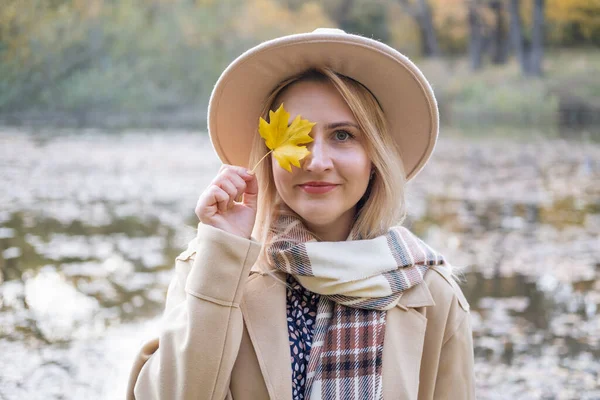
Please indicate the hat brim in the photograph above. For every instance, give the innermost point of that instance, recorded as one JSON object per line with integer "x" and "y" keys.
{"x": 401, "y": 89}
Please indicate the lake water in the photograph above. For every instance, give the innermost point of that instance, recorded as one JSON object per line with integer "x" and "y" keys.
{"x": 91, "y": 221}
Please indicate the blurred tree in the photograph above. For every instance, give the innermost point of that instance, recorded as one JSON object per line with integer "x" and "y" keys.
{"x": 476, "y": 35}
{"x": 342, "y": 13}
{"x": 42, "y": 45}
{"x": 364, "y": 17}
{"x": 93, "y": 55}
{"x": 499, "y": 36}
{"x": 450, "y": 19}
{"x": 530, "y": 52}
{"x": 577, "y": 20}
{"x": 163, "y": 55}
{"x": 259, "y": 20}
{"x": 536, "y": 54}
{"x": 420, "y": 10}
{"x": 404, "y": 30}
{"x": 516, "y": 31}
{"x": 487, "y": 32}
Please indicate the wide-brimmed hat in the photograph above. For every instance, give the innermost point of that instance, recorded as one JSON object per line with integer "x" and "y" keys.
{"x": 401, "y": 89}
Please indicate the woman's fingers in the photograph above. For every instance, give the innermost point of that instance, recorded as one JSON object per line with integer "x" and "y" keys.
{"x": 231, "y": 183}
{"x": 233, "y": 169}
{"x": 251, "y": 192}
{"x": 213, "y": 200}
{"x": 220, "y": 198}
{"x": 232, "y": 180}
{"x": 239, "y": 183}
{"x": 231, "y": 190}
{"x": 216, "y": 205}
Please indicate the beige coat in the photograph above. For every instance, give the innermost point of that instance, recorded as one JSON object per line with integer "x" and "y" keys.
{"x": 225, "y": 335}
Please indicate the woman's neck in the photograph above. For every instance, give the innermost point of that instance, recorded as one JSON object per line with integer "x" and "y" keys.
{"x": 336, "y": 231}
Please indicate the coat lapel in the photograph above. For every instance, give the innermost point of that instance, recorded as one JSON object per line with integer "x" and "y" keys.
{"x": 264, "y": 311}
{"x": 403, "y": 344}
{"x": 417, "y": 296}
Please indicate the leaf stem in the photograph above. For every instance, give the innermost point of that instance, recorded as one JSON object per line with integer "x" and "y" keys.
{"x": 265, "y": 156}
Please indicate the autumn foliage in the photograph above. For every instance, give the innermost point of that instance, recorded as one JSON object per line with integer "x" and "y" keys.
{"x": 161, "y": 55}
{"x": 285, "y": 141}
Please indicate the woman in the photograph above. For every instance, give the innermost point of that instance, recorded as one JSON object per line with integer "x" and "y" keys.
{"x": 306, "y": 288}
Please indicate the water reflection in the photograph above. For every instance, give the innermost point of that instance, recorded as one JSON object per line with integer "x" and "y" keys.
{"x": 87, "y": 239}
{"x": 544, "y": 316}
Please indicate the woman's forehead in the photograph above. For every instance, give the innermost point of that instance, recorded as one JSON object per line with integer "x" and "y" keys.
{"x": 318, "y": 102}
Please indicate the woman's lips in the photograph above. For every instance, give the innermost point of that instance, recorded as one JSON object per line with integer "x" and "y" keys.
{"x": 317, "y": 187}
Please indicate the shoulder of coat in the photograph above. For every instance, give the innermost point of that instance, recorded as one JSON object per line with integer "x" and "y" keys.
{"x": 449, "y": 282}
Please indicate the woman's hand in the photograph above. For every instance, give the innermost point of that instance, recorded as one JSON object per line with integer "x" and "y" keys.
{"x": 217, "y": 206}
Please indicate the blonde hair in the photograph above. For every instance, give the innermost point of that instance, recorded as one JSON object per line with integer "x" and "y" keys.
{"x": 383, "y": 204}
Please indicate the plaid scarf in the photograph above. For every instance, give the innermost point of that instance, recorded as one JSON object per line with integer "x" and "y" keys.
{"x": 358, "y": 280}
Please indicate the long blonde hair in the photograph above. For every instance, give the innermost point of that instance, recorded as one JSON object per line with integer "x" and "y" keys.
{"x": 383, "y": 204}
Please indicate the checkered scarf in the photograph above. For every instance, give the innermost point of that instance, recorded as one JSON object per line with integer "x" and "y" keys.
{"x": 358, "y": 280}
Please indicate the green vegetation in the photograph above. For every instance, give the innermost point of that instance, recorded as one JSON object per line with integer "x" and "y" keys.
{"x": 144, "y": 61}
{"x": 500, "y": 93}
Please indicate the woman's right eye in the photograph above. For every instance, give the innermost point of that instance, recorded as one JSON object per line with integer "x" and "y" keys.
{"x": 342, "y": 136}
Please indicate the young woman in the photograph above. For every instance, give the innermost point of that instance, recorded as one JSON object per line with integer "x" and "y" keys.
{"x": 301, "y": 284}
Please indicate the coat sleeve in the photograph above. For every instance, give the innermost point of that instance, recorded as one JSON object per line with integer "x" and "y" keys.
{"x": 201, "y": 329}
{"x": 455, "y": 377}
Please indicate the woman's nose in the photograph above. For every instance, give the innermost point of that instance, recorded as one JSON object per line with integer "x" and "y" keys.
{"x": 319, "y": 158}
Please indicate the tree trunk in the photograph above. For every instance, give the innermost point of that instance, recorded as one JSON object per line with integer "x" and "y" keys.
{"x": 342, "y": 16}
{"x": 421, "y": 12}
{"x": 516, "y": 33}
{"x": 537, "y": 39}
{"x": 425, "y": 20}
{"x": 499, "y": 39}
{"x": 475, "y": 36}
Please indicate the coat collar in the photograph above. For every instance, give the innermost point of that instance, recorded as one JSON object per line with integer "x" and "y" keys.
{"x": 264, "y": 311}
{"x": 417, "y": 296}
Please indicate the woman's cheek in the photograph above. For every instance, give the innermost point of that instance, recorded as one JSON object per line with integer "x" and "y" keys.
{"x": 357, "y": 164}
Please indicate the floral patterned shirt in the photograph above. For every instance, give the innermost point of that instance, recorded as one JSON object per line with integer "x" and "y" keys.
{"x": 301, "y": 314}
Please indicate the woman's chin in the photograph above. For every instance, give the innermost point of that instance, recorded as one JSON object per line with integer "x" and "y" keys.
{"x": 318, "y": 217}
{"x": 322, "y": 214}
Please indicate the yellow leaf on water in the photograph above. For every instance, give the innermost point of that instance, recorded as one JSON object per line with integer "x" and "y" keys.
{"x": 285, "y": 140}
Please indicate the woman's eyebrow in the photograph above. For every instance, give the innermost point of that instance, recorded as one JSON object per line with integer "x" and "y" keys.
{"x": 334, "y": 125}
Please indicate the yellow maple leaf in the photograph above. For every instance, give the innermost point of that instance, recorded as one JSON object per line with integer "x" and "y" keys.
{"x": 283, "y": 140}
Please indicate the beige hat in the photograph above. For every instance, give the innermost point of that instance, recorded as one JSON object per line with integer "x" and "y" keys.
{"x": 401, "y": 89}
